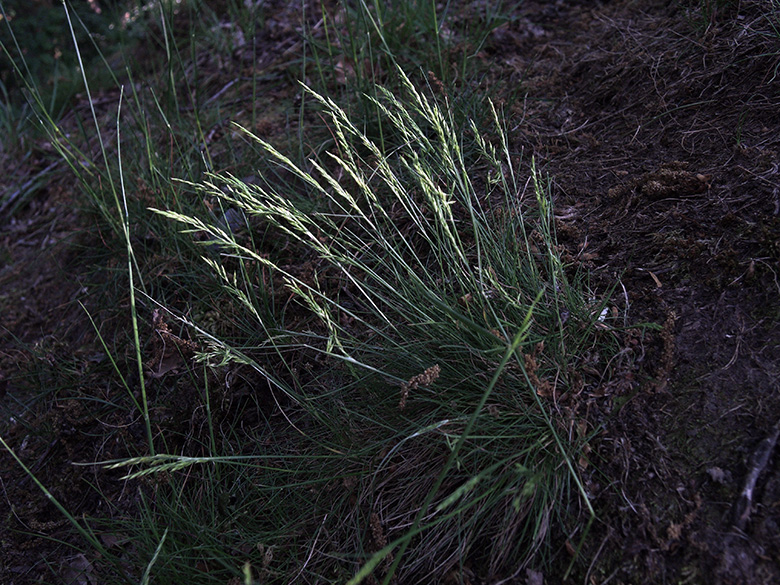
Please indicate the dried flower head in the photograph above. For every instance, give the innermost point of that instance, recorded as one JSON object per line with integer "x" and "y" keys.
{"x": 427, "y": 378}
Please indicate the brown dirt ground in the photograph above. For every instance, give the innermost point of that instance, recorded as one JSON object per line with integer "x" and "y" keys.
{"x": 661, "y": 132}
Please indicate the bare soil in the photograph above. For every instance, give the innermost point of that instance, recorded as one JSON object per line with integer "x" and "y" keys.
{"x": 660, "y": 128}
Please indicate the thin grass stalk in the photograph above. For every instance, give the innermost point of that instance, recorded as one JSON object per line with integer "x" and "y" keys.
{"x": 114, "y": 364}
{"x": 209, "y": 418}
{"x": 131, "y": 274}
{"x": 148, "y": 571}
{"x": 91, "y": 104}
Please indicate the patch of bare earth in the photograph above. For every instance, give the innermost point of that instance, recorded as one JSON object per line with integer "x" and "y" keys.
{"x": 43, "y": 335}
{"x": 662, "y": 134}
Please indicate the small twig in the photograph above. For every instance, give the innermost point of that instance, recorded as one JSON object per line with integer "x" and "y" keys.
{"x": 758, "y": 462}
{"x": 311, "y": 549}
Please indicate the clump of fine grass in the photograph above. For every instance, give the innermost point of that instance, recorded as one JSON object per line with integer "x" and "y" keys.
{"x": 446, "y": 325}
{"x": 399, "y": 416}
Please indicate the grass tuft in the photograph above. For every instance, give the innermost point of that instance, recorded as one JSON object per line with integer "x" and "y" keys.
{"x": 386, "y": 330}
{"x": 447, "y": 327}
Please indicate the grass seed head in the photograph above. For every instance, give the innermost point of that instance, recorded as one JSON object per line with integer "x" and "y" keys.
{"x": 427, "y": 378}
